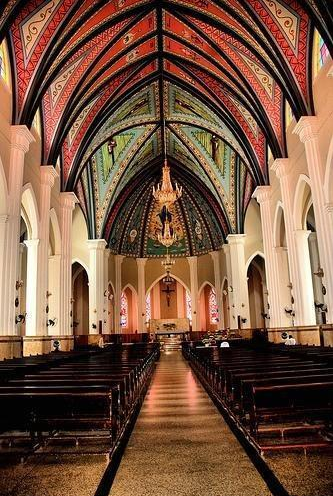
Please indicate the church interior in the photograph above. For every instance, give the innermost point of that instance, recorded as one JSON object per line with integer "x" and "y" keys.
{"x": 166, "y": 247}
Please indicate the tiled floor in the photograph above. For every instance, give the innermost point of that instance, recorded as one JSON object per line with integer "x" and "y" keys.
{"x": 181, "y": 445}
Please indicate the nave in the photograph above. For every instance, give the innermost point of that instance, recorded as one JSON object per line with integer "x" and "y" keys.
{"x": 181, "y": 445}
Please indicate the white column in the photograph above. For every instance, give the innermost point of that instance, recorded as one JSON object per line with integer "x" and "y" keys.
{"x": 141, "y": 262}
{"x": 240, "y": 294}
{"x": 118, "y": 260}
{"x": 21, "y": 138}
{"x": 180, "y": 301}
{"x": 48, "y": 176}
{"x": 54, "y": 287}
{"x": 226, "y": 250}
{"x": 304, "y": 308}
{"x": 304, "y": 268}
{"x": 107, "y": 318}
{"x": 284, "y": 279}
{"x": 273, "y": 271}
{"x": 315, "y": 263}
{"x": 217, "y": 276}
{"x": 307, "y": 129}
{"x": 67, "y": 205}
{"x": 31, "y": 325}
{"x": 96, "y": 283}
{"x": 156, "y": 295}
{"x": 193, "y": 263}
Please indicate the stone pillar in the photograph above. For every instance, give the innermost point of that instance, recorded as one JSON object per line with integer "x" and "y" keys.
{"x": 304, "y": 269}
{"x": 156, "y": 307}
{"x": 276, "y": 310}
{"x": 303, "y": 304}
{"x": 96, "y": 284}
{"x": 106, "y": 317}
{"x": 32, "y": 303}
{"x": 48, "y": 176}
{"x": 21, "y": 138}
{"x": 307, "y": 130}
{"x": 284, "y": 279}
{"x": 54, "y": 287}
{"x": 118, "y": 260}
{"x": 240, "y": 294}
{"x": 217, "y": 276}
{"x": 226, "y": 250}
{"x": 193, "y": 263}
{"x": 315, "y": 263}
{"x": 141, "y": 262}
{"x": 67, "y": 205}
{"x": 181, "y": 310}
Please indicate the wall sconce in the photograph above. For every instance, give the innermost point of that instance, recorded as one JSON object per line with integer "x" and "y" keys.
{"x": 71, "y": 301}
{"x": 75, "y": 323}
{"x": 243, "y": 320}
{"x": 265, "y": 315}
{"x": 95, "y": 311}
{"x": 319, "y": 273}
{"x": 230, "y": 289}
{"x": 48, "y": 294}
{"x": 52, "y": 322}
{"x": 20, "y": 319}
{"x": 290, "y": 285}
{"x": 290, "y": 312}
{"x": 94, "y": 326}
{"x": 322, "y": 307}
{"x": 18, "y": 285}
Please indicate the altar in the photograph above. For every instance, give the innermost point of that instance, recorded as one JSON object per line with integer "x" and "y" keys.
{"x": 169, "y": 326}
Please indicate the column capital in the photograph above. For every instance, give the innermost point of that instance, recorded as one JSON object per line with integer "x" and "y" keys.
{"x": 68, "y": 199}
{"x": 48, "y": 175}
{"x": 302, "y": 233}
{"x": 21, "y": 138}
{"x": 215, "y": 254}
{"x": 119, "y": 258}
{"x": 193, "y": 260}
{"x": 141, "y": 261}
{"x": 281, "y": 167}
{"x": 236, "y": 239}
{"x": 96, "y": 244}
{"x": 262, "y": 194}
{"x": 31, "y": 243}
{"x": 226, "y": 248}
{"x": 307, "y": 128}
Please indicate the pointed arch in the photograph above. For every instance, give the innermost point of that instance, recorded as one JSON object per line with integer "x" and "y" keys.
{"x": 253, "y": 256}
{"x": 30, "y": 211}
{"x": 302, "y": 201}
{"x": 161, "y": 277}
{"x": 54, "y": 224}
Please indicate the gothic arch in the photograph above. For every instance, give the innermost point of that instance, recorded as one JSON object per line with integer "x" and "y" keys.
{"x": 277, "y": 225}
{"x": 173, "y": 277}
{"x": 30, "y": 211}
{"x": 54, "y": 225}
{"x": 302, "y": 202}
{"x": 252, "y": 257}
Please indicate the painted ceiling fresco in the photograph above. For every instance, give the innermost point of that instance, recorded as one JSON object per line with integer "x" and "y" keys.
{"x": 217, "y": 72}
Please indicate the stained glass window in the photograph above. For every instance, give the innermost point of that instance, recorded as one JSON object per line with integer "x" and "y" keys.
{"x": 123, "y": 310}
{"x": 213, "y": 312}
{"x": 320, "y": 53}
{"x": 188, "y": 302}
{"x": 4, "y": 69}
{"x": 148, "y": 308}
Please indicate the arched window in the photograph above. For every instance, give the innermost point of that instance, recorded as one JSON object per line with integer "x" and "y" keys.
{"x": 188, "y": 302}
{"x": 320, "y": 53}
{"x": 4, "y": 65}
{"x": 148, "y": 308}
{"x": 123, "y": 310}
{"x": 212, "y": 303}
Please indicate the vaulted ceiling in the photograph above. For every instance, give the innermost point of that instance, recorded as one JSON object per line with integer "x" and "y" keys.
{"x": 217, "y": 72}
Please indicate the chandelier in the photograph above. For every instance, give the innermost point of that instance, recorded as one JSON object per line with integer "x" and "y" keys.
{"x": 167, "y": 263}
{"x": 167, "y": 237}
{"x": 164, "y": 193}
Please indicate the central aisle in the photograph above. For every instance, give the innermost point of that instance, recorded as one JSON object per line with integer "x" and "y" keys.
{"x": 181, "y": 446}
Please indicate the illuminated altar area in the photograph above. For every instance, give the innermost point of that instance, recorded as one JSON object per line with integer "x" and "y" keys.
{"x": 167, "y": 326}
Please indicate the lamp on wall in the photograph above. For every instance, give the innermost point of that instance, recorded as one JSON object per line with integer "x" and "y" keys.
{"x": 319, "y": 273}
{"x": 52, "y": 322}
{"x": 20, "y": 319}
{"x": 18, "y": 285}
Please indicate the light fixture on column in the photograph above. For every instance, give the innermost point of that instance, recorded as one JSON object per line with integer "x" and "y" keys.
{"x": 18, "y": 285}
{"x": 20, "y": 319}
{"x": 319, "y": 273}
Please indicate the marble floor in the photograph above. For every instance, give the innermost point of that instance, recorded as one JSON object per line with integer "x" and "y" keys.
{"x": 181, "y": 446}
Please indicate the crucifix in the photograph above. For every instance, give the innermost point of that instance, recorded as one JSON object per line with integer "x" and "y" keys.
{"x": 168, "y": 292}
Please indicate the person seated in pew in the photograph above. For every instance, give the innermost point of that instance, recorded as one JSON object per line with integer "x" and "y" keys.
{"x": 101, "y": 342}
{"x": 290, "y": 341}
{"x": 224, "y": 344}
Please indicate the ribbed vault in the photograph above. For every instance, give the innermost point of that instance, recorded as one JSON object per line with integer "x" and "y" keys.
{"x": 219, "y": 73}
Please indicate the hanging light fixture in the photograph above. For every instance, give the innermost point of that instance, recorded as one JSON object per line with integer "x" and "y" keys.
{"x": 164, "y": 192}
{"x": 167, "y": 263}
